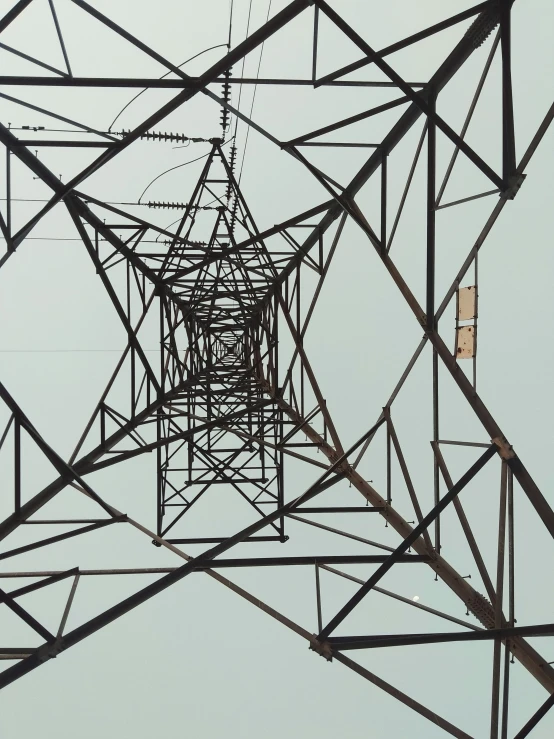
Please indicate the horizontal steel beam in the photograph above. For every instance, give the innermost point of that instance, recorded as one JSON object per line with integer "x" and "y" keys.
{"x": 400, "y": 640}
{"x": 340, "y": 509}
{"x": 192, "y": 83}
{"x": 347, "y": 559}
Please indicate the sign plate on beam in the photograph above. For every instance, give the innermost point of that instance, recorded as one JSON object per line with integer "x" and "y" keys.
{"x": 467, "y": 303}
{"x": 465, "y": 342}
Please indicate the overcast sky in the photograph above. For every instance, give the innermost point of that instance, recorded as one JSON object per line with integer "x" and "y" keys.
{"x": 197, "y": 660}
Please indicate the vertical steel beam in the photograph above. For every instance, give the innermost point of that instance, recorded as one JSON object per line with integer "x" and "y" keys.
{"x": 498, "y": 618}
{"x": 508, "y": 133}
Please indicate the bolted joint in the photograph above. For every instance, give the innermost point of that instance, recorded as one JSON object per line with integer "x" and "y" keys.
{"x": 505, "y": 450}
{"x": 433, "y": 553}
{"x": 49, "y": 651}
{"x": 482, "y": 609}
{"x": 322, "y": 648}
{"x": 514, "y": 183}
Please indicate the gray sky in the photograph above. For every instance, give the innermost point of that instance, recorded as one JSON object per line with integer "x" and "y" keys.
{"x": 197, "y": 659}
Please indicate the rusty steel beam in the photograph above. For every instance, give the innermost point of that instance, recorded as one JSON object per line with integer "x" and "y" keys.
{"x": 474, "y": 601}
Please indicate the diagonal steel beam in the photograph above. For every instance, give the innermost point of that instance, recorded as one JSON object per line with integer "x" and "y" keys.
{"x": 415, "y": 97}
{"x": 61, "y": 190}
{"x": 12, "y": 14}
{"x": 474, "y": 601}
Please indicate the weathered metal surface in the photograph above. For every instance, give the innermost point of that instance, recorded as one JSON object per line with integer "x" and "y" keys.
{"x": 224, "y": 404}
{"x": 466, "y": 337}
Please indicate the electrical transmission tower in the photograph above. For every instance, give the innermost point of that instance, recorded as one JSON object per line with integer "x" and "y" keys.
{"x": 228, "y": 408}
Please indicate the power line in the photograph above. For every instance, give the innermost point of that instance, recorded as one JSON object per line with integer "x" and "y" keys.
{"x": 253, "y": 96}
{"x": 242, "y": 67}
{"x": 162, "y": 77}
{"x": 56, "y": 351}
{"x": 184, "y": 164}
{"x": 46, "y": 200}
{"x": 64, "y": 238}
{"x": 230, "y": 22}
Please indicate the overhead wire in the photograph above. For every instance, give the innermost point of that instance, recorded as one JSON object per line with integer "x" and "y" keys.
{"x": 67, "y": 238}
{"x": 184, "y": 164}
{"x": 46, "y": 200}
{"x": 243, "y": 62}
{"x": 178, "y": 166}
{"x": 39, "y": 200}
{"x": 56, "y": 351}
{"x": 231, "y": 5}
{"x": 253, "y": 97}
{"x": 211, "y": 48}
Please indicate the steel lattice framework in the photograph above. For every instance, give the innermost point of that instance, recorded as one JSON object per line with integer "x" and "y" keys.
{"x": 231, "y": 394}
